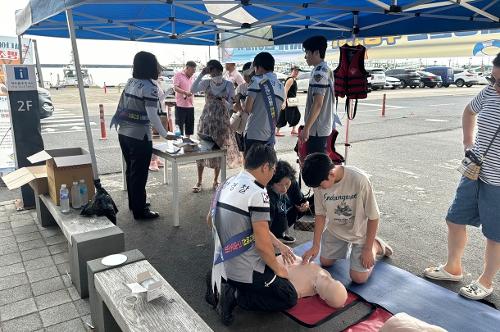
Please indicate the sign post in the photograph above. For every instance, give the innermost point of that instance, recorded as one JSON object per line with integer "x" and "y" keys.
{"x": 25, "y": 118}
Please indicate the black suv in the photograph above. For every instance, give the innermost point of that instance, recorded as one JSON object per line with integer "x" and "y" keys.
{"x": 408, "y": 77}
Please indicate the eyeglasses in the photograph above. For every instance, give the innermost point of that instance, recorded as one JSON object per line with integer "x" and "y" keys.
{"x": 493, "y": 82}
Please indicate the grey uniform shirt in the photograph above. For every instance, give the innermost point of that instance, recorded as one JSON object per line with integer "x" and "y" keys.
{"x": 320, "y": 83}
{"x": 242, "y": 202}
{"x": 258, "y": 126}
{"x": 142, "y": 96}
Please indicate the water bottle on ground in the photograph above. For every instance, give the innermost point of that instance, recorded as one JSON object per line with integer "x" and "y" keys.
{"x": 75, "y": 196}
{"x": 84, "y": 193}
{"x": 64, "y": 197}
{"x": 177, "y": 131}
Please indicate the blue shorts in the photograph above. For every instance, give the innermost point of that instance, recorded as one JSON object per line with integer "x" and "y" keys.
{"x": 477, "y": 204}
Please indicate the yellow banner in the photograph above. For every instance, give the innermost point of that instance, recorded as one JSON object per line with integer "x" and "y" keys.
{"x": 459, "y": 44}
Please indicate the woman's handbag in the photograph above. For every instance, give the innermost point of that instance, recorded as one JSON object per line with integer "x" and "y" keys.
{"x": 292, "y": 102}
{"x": 470, "y": 167}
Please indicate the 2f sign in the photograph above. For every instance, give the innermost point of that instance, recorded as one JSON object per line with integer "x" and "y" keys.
{"x": 24, "y": 106}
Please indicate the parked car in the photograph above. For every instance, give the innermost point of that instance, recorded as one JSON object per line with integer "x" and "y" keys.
{"x": 429, "y": 79}
{"x": 408, "y": 77}
{"x": 303, "y": 81}
{"x": 167, "y": 85}
{"x": 465, "y": 77}
{"x": 376, "y": 78}
{"x": 446, "y": 74}
{"x": 45, "y": 106}
{"x": 392, "y": 83}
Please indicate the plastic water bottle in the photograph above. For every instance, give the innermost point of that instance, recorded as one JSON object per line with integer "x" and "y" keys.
{"x": 84, "y": 193}
{"x": 177, "y": 131}
{"x": 75, "y": 196}
{"x": 64, "y": 197}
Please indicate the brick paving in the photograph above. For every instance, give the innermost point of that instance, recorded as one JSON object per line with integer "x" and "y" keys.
{"x": 36, "y": 293}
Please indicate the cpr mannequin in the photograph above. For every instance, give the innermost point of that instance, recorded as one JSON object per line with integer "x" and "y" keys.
{"x": 311, "y": 279}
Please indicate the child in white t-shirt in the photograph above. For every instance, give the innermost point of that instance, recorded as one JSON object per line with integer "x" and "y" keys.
{"x": 344, "y": 196}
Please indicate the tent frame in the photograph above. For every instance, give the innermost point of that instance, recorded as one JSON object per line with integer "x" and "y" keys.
{"x": 229, "y": 29}
{"x": 224, "y": 28}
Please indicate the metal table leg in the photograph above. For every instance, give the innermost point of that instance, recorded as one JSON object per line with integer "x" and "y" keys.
{"x": 124, "y": 176}
{"x": 175, "y": 193}
{"x": 223, "y": 168}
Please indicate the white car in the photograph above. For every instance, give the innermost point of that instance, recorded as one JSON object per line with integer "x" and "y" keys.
{"x": 392, "y": 83}
{"x": 376, "y": 80}
{"x": 465, "y": 77}
{"x": 303, "y": 81}
{"x": 167, "y": 85}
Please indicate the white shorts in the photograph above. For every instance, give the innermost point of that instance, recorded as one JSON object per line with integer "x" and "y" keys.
{"x": 334, "y": 248}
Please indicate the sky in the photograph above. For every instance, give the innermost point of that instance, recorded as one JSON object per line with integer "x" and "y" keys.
{"x": 58, "y": 50}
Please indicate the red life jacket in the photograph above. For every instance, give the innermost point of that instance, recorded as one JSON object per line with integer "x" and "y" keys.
{"x": 350, "y": 75}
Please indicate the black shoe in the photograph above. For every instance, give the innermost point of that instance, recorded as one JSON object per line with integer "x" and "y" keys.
{"x": 210, "y": 296}
{"x": 287, "y": 239}
{"x": 227, "y": 303}
{"x": 145, "y": 206}
{"x": 146, "y": 215}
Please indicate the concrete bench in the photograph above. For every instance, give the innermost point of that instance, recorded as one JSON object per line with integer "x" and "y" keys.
{"x": 88, "y": 238}
{"x": 112, "y": 311}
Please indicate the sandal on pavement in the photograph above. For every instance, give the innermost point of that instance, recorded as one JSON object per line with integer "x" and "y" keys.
{"x": 215, "y": 185}
{"x": 294, "y": 133}
{"x": 475, "y": 291}
{"x": 439, "y": 273}
{"x": 386, "y": 249}
{"x": 280, "y": 134}
{"x": 197, "y": 188}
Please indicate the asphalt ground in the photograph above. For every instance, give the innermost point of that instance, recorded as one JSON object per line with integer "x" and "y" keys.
{"x": 411, "y": 155}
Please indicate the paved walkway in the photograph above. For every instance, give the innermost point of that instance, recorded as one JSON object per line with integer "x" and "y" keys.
{"x": 36, "y": 293}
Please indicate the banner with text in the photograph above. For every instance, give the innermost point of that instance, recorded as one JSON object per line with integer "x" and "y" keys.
{"x": 453, "y": 44}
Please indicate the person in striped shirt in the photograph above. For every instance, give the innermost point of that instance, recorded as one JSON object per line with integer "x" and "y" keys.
{"x": 477, "y": 203}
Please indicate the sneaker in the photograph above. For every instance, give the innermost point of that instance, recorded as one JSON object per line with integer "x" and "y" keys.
{"x": 227, "y": 303}
{"x": 287, "y": 239}
{"x": 210, "y": 296}
{"x": 475, "y": 291}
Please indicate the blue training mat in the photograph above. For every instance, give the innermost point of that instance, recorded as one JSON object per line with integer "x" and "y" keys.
{"x": 398, "y": 290}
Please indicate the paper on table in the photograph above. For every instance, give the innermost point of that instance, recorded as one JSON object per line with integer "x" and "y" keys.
{"x": 136, "y": 288}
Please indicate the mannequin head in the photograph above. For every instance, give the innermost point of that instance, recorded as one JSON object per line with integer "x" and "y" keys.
{"x": 330, "y": 290}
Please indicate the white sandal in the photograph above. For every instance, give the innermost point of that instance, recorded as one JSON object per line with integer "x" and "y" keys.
{"x": 386, "y": 249}
{"x": 475, "y": 291}
{"x": 439, "y": 273}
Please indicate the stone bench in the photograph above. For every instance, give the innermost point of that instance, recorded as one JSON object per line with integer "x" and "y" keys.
{"x": 112, "y": 311}
{"x": 88, "y": 238}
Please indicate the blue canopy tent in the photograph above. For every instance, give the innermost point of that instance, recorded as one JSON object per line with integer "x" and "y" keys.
{"x": 232, "y": 23}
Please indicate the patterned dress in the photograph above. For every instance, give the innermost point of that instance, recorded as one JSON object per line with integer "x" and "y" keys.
{"x": 214, "y": 122}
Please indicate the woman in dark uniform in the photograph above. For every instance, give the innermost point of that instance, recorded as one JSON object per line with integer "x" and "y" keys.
{"x": 290, "y": 110}
{"x": 137, "y": 111}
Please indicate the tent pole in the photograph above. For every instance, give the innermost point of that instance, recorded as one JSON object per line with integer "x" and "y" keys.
{"x": 351, "y": 102}
{"x": 38, "y": 65}
{"x": 83, "y": 100}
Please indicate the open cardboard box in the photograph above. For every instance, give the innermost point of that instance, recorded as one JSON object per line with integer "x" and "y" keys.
{"x": 62, "y": 166}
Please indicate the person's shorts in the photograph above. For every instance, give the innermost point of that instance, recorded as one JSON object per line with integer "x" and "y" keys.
{"x": 184, "y": 118}
{"x": 477, "y": 204}
{"x": 334, "y": 248}
{"x": 316, "y": 144}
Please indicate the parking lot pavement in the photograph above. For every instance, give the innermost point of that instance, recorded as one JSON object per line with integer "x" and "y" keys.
{"x": 411, "y": 162}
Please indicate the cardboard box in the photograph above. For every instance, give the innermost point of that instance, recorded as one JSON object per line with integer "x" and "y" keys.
{"x": 61, "y": 166}
{"x": 36, "y": 176}
{"x": 64, "y": 166}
